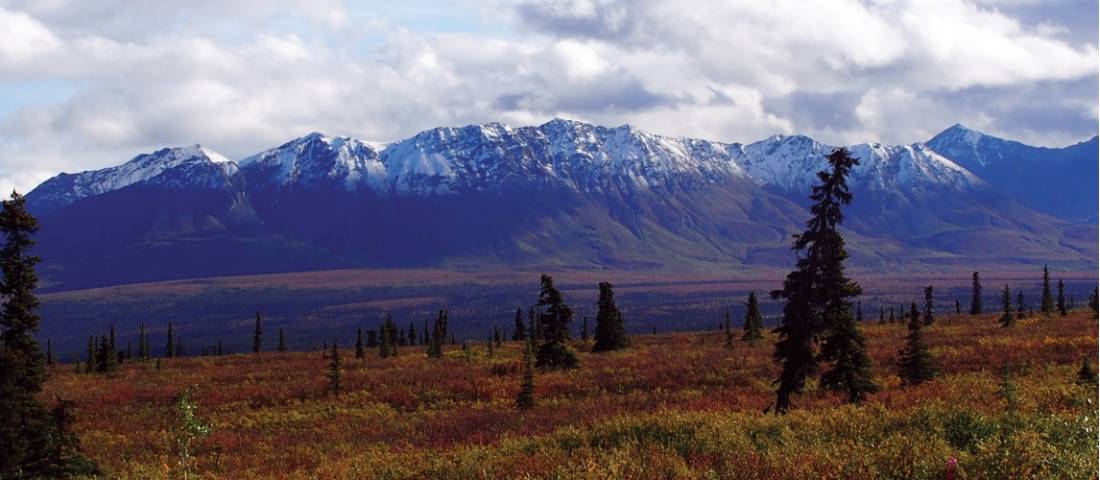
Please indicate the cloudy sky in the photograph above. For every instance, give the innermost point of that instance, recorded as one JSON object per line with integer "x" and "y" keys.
{"x": 90, "y": 83}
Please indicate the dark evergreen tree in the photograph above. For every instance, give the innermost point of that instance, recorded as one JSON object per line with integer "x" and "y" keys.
{"x": 411, "y": 334}
{"x": 142, "y": 347}
{"x": 282, "y": 341}
{"x": 129, "y": 350}
{"x": 359, "y": 351}
{"x": 49, "y": 352}
{"x": 57, "y": 456}
{"x": 170, "y": 347}
{"x": 976, "y": 295}
{"x": 882, "y": 314}
{"x": 107, "y": 358}
{"x": 929, "y": 306}
{"x": 425, "y": 333}
{"x": 519, "y": 332}
{"x": 1086, "y": 375}
{"x": 1047, "y": 305}
{"x": 1020, "y": 305}
{"x": 728, "y": 329}
{"x": 859, "y": 311}
{"x": 754, "y": 322}
{"x": 334, "y": 375}
{"x": 1062, "y": 298}
{"x": 554, "y": 320}
{"x": 388, "y": 338}
{"x": 525, "y": 400}
{"x": 146, "y": 355}
{"x": 1007, "y": 318}
{"x": 112, "y": 338}
{"x": 1094, "y": 302}
{"x": 91, "y": 356}
{"x": 817, "y": 301}
{"x": 372, "y": 339}
{"x": 915, "y": 364}
{"x": 257, "y": 335}
{"x": 958, "y": 307}
{"x": 439, "y": 336}
{"x": 535, "y": 329}
{"x": 891, "y": 314}
{"x": 584, "y": 329}
{"x": 610, "y": 327}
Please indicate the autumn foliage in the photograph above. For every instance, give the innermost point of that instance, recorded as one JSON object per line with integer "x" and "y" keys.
{"x": 670, "y": 406}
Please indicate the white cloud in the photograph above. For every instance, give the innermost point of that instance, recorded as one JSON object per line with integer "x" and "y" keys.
{"x": 22, "y": 38}
{"x": 243, "y": 75}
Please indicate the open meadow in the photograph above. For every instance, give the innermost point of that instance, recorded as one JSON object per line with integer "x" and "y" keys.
{"x": 1006, "y": 404}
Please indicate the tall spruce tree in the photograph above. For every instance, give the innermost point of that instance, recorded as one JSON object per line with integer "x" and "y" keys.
{"x": 929, "y": 306}
{"x": 958, "y": 307}
{"x": 915, "y": 363}
{"x": 881, "y": 314}
{"x": 107, "y": 358}
{"x": 27, "y": 431}
{"x": 90, "y": 356}
{"x": 282, "y": 341}
{"x": 146, "y": 355}
{"x": 610, "y": 328}
{"x": 1094, "y": 302}
{"x": 519, "y": 332}
{"x": 1047, "y": 306}
{"x": 334, "y": 374}
{"x": 754, "y": 322}
{"x": 976, "y": 295}
{"x": 817, "y": 301}
{"x": 554, "y": 317}
{"x": 257, "y": 335}
{"x": 388, "y": 338}
{"x": 729, "y": 331}
{"x": 584, "y": 329}
{"x": 170, "y": 346}
{"x": 439, "y": 336}
{"x": 1062, "y": 298}
{"x": 1007, "y": 317}
{"x": 859, "y": 311}
{"x": 359, "y": 351}
{"x": 1019, "y": 304}
{"x": 142, "y": 347}
{"x": 49, "y": 352}
{"x": 525, "y": 399}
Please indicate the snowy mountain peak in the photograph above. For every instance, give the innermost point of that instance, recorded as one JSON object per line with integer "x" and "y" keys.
{"x": 193, "y": 166}
{"x": 313, "y": 159}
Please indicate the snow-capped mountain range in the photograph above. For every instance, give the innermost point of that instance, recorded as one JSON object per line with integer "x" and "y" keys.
{"x": 560, "y": 153}
{"x": 580, "y": 195}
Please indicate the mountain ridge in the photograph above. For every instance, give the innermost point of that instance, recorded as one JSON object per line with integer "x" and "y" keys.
{"x": 433, "y": 153}
{"x": 563, "y": 194}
